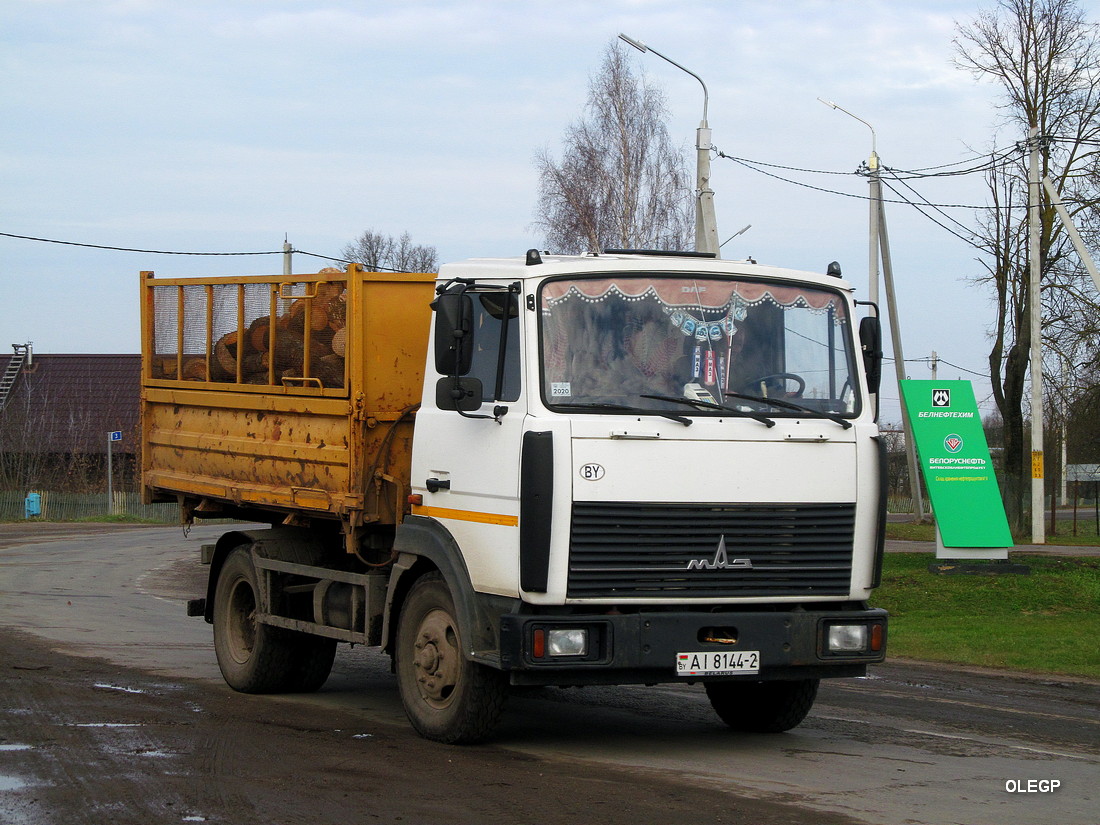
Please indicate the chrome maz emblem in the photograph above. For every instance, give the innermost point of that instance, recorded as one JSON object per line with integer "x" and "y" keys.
{"x": 720, "y": 561}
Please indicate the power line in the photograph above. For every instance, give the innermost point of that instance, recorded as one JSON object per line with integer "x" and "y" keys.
{"x": 325, "y": 257}
{"x": 373, "y": 267}
{"x": 780, "y": 166}
{"x": 927, "y": 202}
{"x": 994, "y": 159}
{"x": 129, "y": 249}
{"x": 944, "y": 227}
{"x": 928, "y": 360}
{"x": 751, "y": 165}
{"x": 200, "y": 254}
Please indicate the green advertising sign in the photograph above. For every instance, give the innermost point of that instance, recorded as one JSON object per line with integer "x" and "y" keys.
{"x": 955, "y": 462}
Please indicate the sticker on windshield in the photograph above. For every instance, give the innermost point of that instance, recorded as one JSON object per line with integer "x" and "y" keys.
{"x": 561, "y": 389}
{"x": 711, "y": 369}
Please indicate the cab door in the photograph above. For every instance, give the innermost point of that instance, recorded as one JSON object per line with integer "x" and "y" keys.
{"x": 469, "y": 433}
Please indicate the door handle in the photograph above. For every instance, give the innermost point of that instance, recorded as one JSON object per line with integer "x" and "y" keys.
{"x": 434, "y": 485}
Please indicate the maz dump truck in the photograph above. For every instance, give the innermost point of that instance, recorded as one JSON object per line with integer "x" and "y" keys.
{"x": 618, "y": 468}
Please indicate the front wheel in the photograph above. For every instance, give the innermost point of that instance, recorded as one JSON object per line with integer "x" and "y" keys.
{"x": 447, "y": 697}
{"x": 762, "y": 707}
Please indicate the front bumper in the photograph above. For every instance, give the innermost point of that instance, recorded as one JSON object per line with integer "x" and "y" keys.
{"x": 641, "y": 648}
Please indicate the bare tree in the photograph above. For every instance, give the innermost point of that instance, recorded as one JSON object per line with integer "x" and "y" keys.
{"x": 378, "y": 252}
{"x": 620, "y": 182}
{"x": 1045, "y": 57}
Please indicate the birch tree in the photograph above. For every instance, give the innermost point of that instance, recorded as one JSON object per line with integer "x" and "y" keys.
{"x": 620, "y": 182}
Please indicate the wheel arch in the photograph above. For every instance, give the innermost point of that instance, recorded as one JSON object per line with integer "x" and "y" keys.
{"x": 423, "y": 545}
{"x": 285, "y": 543}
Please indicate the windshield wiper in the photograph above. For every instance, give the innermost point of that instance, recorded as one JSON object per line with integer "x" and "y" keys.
{"x": 599, "y": 405}
{"x": 843, "y": 422}
{"x": 711, "y": 405}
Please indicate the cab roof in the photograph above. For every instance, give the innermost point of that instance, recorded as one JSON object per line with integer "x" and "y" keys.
{"x": 537, "y": 266}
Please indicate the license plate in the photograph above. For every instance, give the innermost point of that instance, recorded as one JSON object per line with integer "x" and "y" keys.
{"x": 717, "y": 663}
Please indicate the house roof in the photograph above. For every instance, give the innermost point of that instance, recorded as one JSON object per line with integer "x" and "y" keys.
{"x": 69, "y": 403}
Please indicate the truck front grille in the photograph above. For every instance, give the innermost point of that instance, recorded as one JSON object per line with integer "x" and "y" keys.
{"x": 710, "y": 550}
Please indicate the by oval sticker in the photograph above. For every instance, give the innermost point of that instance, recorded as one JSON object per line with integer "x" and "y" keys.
{"x": 591, "y": 472}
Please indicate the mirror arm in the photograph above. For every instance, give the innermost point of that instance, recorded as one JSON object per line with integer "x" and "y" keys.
{"x": 502, "y": 348}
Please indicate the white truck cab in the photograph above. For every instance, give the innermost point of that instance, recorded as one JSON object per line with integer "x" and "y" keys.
{"x": 646, "y": 467}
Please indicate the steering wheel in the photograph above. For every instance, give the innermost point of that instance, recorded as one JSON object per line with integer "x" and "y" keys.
{"x": 753, "y": 387}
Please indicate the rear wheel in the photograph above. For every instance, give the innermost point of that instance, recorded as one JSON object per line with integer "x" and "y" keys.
{"x": 253, "y": 657}
{"x": 447, "y": 697}
{"x": 762, "y": 707}
{"x": 256, "y": 658}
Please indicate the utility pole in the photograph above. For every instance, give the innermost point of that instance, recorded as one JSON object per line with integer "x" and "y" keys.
{"x": 879, "y": 243}
{"x": 935, "y": 365}
{"x": 873, "y": 230}
{"x": 1038, "y": 527}
{"x": 288, "y": 252}
{"x": 899, "y": 362}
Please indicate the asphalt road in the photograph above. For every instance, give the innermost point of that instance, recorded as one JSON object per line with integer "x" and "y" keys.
{"x": 112, "y": 710}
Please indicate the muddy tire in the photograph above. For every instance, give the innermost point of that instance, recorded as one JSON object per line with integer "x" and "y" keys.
{"x": 762, "y": 707}
{"x": 254, "y": 658}
{"x": 446, "y": 697}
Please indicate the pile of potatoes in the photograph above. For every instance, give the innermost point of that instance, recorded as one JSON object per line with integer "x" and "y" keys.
{"x": 322, "y": 318}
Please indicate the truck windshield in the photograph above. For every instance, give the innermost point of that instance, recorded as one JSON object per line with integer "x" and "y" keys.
{"x": 618, "y": 340}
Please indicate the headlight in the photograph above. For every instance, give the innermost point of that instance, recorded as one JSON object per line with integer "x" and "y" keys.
{"x": 572, "y": 641}
{"x": 568, "y": 644}
{"x": 846, "y": 638}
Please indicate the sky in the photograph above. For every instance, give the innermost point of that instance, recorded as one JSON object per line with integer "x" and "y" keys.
{"x": 230, "y": 126}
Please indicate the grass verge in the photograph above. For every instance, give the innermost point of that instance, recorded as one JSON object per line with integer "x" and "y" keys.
{"x": 1046, "y": 622}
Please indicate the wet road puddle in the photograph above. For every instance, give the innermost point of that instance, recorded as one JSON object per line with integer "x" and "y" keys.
{"x": 7, "y": 782}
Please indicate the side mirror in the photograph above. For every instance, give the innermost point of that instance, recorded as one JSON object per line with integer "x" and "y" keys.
{"x": 462, "y": 393}
{"x": 454, "y": 335}
{"x": 870, "y": 343}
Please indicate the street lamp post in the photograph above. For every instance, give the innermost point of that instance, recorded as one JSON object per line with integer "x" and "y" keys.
{"x": 706, "y": 227}
{"x": 876, "y": 200}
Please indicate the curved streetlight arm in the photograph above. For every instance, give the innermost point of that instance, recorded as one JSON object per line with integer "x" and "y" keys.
{"x": 874, "y": 138}
{"x": 706, "y": 228}
{"x": 642, "y": 47}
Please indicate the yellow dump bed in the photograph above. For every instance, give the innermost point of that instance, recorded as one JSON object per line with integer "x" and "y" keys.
{"x": 290, "y": 396}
